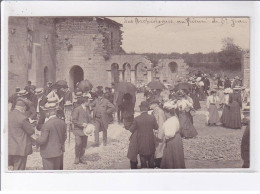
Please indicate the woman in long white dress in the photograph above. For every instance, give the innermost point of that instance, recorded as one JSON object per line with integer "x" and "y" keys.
{"x": 212, "y": 101}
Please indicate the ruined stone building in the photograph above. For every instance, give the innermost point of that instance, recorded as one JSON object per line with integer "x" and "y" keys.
{"x": 246, "y": 69}
{"x": 45, "y": 49}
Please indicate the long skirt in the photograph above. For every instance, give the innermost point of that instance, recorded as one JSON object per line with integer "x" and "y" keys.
{"x": 173, "y": 154}
{"x": 213, "y": 114}
{"x": 225, "y": 115}
{"x": 234, "y": 119}
{"x": 187, "y": 129}
{"x": 196, "y": 102}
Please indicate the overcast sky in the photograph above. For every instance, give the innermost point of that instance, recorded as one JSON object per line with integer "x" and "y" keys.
{"x": 179, "y": 34}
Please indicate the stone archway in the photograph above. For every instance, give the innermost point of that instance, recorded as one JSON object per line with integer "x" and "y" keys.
{"x": 141, "y": 74}
{"x": 76, "y": 75}
{"x": 114, "y": 73}
{"x": 127, "y": 72}
{"x": 45, "y": 76}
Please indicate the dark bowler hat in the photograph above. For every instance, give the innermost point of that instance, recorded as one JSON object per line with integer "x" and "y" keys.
{"x": 144, "y": 106}
{"x": 99, "y": 93}
{"x": 154, "y": 101}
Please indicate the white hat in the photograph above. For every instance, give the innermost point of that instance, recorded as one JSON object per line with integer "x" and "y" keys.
{"x": 198, "y": 79}
{"x": 89, "y": 129}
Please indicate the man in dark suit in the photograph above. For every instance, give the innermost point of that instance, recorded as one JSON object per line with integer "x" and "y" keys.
{"x": 52, "y": 139}
{"x": 227, "y": 83}
{"x": 102, "y": 109}
{"x": 144, "y": 124}
{"x": 206, "y": 84}
{"x": 19, "y": 140}
{"x": 41, "y": 101}
{"x": 80, "y": 118}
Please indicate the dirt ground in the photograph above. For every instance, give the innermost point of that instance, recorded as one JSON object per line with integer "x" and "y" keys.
{"x": 214, "y": 147}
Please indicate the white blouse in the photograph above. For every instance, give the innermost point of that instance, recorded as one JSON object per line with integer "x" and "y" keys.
{"x": 212, "y": 100}
{"x": 170, "y": 127}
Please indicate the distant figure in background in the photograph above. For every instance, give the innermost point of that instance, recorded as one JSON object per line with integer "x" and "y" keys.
{"x": 236, "y": 82}
{"x": 128, "y": 110}
{"x": 12, "y": 99}
{"x": 195, "y": 97}
{"x": 219, "y": 82}
{"x": 173, "y": 154}
{"x": 227, "y": 83}
{"x": 108, "y": 95}
{"x": 159, "y": 134}
{"x": 47, "y": 89}
{"x": 235, "y": 103}
{"x": 20, "y": 131}
{"x": 212, "y": 101}
{"x": 52, "y": 139}
{"x": 206, "y": 84}
{"x": 28, "y": 87}
{"x": 144, "y": 124}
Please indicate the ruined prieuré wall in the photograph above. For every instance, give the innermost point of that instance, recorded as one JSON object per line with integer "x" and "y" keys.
{"x": 167, "y": 74}
{"x": 85, "y": 42}
{"x": 246, "y": 69}
{"x": 30, "y": 50}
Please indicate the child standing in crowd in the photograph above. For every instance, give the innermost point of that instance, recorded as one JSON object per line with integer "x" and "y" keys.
{"x": 212, "y": 101}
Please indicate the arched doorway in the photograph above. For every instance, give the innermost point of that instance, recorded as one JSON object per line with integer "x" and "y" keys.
{"x": 45, "y": 76}
{"x": 172, "y": 71}
{"x": 76, "y": 75}
{"x": 127, "y": 72}
{"x": 141, "y": 74}
{"x": 114, "y": 73}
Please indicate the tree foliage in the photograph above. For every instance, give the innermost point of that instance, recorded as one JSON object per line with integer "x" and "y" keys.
{"x": 230, "y": 55}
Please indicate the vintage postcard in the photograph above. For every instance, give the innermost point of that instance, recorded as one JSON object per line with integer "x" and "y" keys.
{"x": 113, "y": 93}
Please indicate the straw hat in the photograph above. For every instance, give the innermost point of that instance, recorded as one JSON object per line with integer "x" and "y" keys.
{"x": 39, "y": 91}
{"x": 198, "y": 79}
{"x": 89, "y": 129}
{"x": 22, "y": 93}
{"x": 50, "y": 106}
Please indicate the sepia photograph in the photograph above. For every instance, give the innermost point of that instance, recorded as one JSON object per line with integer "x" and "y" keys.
{"x": 128, "y": 93}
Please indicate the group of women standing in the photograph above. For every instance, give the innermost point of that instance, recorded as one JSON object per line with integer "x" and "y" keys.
{"x": 232, "y": 104}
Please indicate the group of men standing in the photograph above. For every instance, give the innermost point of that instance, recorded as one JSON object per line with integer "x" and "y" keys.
{"x": 42, "y": 109}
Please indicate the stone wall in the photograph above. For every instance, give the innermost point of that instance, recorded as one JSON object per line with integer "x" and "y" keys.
{"x": 31, "y": 50}
{"x": 246, "y": 69}
{"x": 169, "y": 70}
{"x": 86, "y": 42}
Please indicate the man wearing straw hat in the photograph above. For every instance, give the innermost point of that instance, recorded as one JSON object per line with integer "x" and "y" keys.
{"x": 19, "y": 140}
{"x": 53, "y": 137}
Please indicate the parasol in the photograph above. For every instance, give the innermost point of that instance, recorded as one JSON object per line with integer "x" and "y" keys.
{"x": 183, "y": 86}
{"x": 122, "y": 88}
{"x": 156, "y": 85}
{"x": 85, "y": 85}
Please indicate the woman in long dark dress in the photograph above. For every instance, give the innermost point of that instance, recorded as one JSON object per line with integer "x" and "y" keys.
{"x": 234, "y": 119}
{"x": 187, "y": 129}
{"x": 195, "y": 97}
{"x": 173, "y": 154}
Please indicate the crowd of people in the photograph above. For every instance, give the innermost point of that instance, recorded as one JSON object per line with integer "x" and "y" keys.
{"x": 41, "y": 117}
